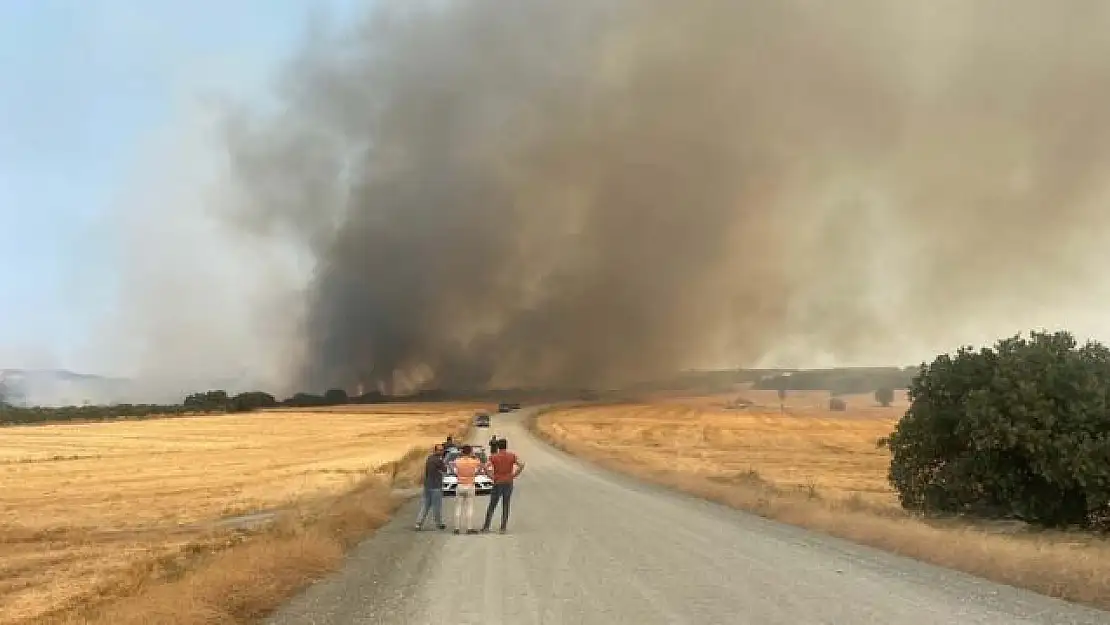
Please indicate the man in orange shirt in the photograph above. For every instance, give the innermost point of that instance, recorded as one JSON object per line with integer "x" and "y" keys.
{"x": 466, "y": 468}
{"x": 506, "y": 467}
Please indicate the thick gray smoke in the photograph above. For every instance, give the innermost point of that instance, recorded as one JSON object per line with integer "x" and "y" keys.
{"x": 594, "y": 191}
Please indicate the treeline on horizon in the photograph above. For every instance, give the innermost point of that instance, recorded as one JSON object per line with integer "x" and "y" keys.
{"x": 836, "y": 380}
{"x": 841, "y": 381}
{"x": 209, "y": 402}
{"x": 221, "y": 402}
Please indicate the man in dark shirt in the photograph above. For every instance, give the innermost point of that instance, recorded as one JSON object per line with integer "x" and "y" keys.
{"x": 432, "y": 498}
{"x": 449, "y": 446}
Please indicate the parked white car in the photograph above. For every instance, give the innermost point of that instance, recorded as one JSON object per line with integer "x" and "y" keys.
{"x": 483, "y": 483}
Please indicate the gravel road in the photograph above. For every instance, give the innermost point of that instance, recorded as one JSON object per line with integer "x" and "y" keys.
{"x": 590, "y": 547}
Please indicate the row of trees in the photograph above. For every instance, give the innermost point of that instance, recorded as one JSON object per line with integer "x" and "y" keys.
{"x": 216, "y": 401}
{"x": 16, "y": 415}
{"x": 220, "y": 401}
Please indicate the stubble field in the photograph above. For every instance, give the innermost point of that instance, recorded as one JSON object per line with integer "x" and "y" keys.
{"x": 798, "y": 446}
{"x": 92, "y": 512}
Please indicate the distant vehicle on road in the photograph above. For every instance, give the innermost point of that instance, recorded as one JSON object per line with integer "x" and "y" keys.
{"x": 507, "y": 407}
{"x": 481, "y": 420}
{"x": 483, "y": 483}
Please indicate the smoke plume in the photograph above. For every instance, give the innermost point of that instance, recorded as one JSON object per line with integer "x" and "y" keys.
{"x": 588, "y": 192}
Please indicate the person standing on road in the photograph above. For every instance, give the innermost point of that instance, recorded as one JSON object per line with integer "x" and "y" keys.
{"x": 466, "y": 468}
{"x": 493, "y": 444}
{"x": 506, "y": 467}
{"x": 432, "y": 497}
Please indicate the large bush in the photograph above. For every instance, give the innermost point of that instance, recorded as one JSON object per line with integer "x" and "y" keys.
{"x": 252, "y": 400}
{"x": 209, "y": 401}
{"x": 1018, "y": 430}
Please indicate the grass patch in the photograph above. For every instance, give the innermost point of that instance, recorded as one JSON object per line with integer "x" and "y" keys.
{"x": 244, "y": 582}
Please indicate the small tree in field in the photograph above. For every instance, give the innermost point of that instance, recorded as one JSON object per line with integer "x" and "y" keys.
{"x": 1019, "y": 430}
{"x": 336, "y": 396}
{"x": 253, "y": 400}
{"x": 885, "y": 396}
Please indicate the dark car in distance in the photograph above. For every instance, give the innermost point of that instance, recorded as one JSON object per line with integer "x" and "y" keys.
{"x": 481, "y": 420}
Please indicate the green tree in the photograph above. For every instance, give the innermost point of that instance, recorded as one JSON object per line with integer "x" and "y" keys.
{"x": 1021, "y": 429}
{"x": 301, "y": 400}
{"x": 885, "y": 396}
{"x": 210, "y": 401}
{"x": 336, "y": 396}
{"x": 253, "y": 400}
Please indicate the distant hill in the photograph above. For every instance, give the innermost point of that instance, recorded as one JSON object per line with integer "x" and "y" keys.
{"x": 60, "y": 387}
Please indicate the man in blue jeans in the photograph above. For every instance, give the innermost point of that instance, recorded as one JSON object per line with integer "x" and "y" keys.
{"x": 506, "y": 467}
{"x": 432, "y": 499}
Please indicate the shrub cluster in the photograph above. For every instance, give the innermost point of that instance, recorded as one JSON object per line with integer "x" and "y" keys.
{"x": 1019, "y": 430}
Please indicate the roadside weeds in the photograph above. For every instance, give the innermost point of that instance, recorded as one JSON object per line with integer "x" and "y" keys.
{"x": 1059, "y": 564}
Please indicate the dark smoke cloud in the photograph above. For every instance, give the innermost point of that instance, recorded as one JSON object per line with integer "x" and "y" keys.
{"x": 590, "y": 192}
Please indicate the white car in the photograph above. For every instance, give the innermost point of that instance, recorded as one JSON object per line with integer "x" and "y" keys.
{"x": 483, "y": 483}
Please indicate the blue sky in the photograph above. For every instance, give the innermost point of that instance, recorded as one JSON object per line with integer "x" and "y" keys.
{"x": 82, "y": 84}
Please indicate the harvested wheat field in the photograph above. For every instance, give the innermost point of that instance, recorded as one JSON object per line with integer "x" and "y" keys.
{"x": 92, "y": 510}
{"x": 798, "y": 403}
{"x": 802, "y": 444}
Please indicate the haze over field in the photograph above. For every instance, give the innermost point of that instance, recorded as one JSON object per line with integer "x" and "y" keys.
{"x": 584, "y": 192}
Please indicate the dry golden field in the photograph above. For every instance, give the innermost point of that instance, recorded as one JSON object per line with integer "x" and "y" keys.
{"x": 799, "y": 445}
{"x": 93, "y": 511}
{"x": 806, "y": 465}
